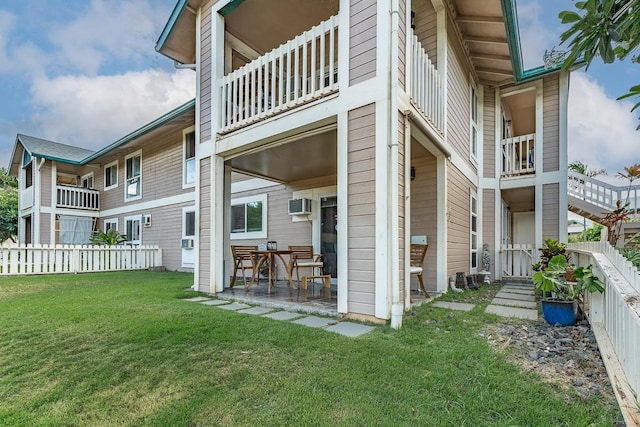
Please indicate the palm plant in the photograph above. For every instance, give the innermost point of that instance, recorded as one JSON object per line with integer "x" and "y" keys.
{"x": 110, "y": 237}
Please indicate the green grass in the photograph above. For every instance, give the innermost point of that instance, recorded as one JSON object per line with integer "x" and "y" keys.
{"x": 124, "y": 349}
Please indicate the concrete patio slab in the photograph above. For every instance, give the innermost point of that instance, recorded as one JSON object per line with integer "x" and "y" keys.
{"x": 214, "y": 302}
{"x": 258, "y": 311}
{"x": 520, "y": 297}
{"x": 514, "y": 303}
{"x": 197, "y": 299}
{"x": 520, "y": 313}
{"x": 283, "y": 315}
{"x": 350, "y": 329}
{"x": 234, "y": 306}
{"x": 454, "y": 305}
{"x": 315, "y": 322}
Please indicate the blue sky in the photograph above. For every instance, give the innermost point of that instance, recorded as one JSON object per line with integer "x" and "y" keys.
{"x": 85, "y": 72}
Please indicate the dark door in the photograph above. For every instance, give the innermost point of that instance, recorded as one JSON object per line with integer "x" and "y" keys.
{"x": 329, "y": 234}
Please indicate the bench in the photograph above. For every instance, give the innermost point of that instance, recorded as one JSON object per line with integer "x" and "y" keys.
{"x": 326, "y": 280}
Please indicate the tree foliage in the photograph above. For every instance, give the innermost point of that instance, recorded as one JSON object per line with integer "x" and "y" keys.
{"x": 8, "y": 206}
{"x": 583, "y": 168}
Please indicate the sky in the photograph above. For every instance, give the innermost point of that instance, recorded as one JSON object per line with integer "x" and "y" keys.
{"x": 85, "y": 73}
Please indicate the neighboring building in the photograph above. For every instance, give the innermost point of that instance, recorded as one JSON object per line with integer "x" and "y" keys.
{"x": 142, "y": 185}
{"x": 398, "y": 120}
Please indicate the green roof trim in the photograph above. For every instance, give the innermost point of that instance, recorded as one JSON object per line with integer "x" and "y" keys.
{"x": 168, "y": 28}
{"x": 230, "y": 7}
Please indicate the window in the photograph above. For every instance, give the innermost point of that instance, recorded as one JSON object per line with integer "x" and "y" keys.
{"x": 110, "y": 224}
{"x": 189, "y": 224}
{"x": 249, "y": 218}
{"x": 133, "y": 173}
{"x": 87, "y": 180}
{"x": 474, "y": 233}
{"x": 473, "y": 120}
{"x": 133, "y": 230}
{"x": 189, "y": 159}
{"x": 111, "y": 176}
{"x": 27, "y": 167}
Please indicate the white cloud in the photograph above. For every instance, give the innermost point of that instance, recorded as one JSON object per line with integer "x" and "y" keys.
{"x": 91, "y": 112}
{"x": 601, "y": 130}
{"x": 535, "y": 37}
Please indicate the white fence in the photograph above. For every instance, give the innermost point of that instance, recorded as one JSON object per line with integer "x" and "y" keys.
{"x": 296, "y": 72}
{"x": 602, "y": 194}
{"x": 518, "y": 155}
{"x": 427, "y": 88}
{"x": 53, "y": 259}
{"x": 517, "y": 260}
{"x": 615, "y": 318}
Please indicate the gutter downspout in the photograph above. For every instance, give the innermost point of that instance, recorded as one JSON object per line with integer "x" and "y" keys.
{"x": 179, "y": 66}
{"x": 397, "y": 303}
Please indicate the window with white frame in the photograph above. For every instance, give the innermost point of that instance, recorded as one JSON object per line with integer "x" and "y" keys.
{"x": 473, "y": 121}
{"x": 189, "y": 224}
{"x": 133, "y": 230}
{"x": 249, "y": 217}
{"x": 111, "y": 224}
{"x": 474, "y": 233}
{"x": 87, "y": 180}
{"x": 189, "y": 177}
{"x": 111, "y": 175}
{"x": 133, "y": 175}
{"x": 27, "y": 167}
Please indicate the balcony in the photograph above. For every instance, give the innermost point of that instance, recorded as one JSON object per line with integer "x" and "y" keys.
{"x": 77, "y": 198}
{"x": 427, "y": 87}
{"x": 518, "y": 156}
{"x": 297, "y": 72}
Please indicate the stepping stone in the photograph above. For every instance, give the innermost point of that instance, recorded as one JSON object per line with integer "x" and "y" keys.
{"x": 514, "y": 303}
{"x": 197, "y": 299}
{"x": 283, "y": 315}
{"x": 520, "y": 313}
{"x": 350, "y": 329}
{"x": 315, "y": 322}
{"x": 215, "y": 302}
{"x": 234, "y": 306}
{"x": 518, "y": 291}
{"x": 454, "y": 305}
{"x": 520, "y": 297}
{"x": 256, "y": 310}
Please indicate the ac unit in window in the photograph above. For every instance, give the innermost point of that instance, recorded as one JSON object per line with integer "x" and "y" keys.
{"x": 187, "y": 244}
{"x": 146, "y": 220}
{"x": 299, "y": 206}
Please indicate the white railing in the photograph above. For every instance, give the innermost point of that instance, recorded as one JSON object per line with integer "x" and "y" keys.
{"x": 26, "y": 198}
{"x": 296, "y": 72}
{"x": 77, "y": 198}
{"x": 615, "y": 319}
{"x": 518, "y": 155}
{"x": 427, "y": 88}
{"x": 517, "y": 260}
{"x": 602, "y": 194}
{"x": 53, "y": 259}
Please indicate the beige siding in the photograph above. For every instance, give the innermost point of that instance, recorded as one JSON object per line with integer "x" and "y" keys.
{"x": 550, "y": 210}
{"x": 362, "y": 43}
{"x": 166, "y": 232}
{"x": 489, "y": 132}
{"x": 361, "y": 210}
{"x": 45, "y": 229}
{"x": 424, "y": 203}
{"x": 205, "y": 75}
{"x": 551, "y": 114}
{"x": 426, "y": 22}
{"x": 45, "y": 184}
{"x": 458, "y": 209}
{"x": 489, "y": 226}
{"x": 204, "y": 222}
{"x": 402, "y": 44}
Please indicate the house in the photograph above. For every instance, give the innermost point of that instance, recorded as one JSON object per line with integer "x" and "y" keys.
{"x": 142, "y": 185}
{"x": 400, "y": 120}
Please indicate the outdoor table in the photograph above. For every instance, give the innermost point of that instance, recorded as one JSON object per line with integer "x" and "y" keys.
{"x": 268, "y": 256}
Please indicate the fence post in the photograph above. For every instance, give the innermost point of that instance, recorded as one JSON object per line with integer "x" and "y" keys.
{"x": 75, "y": 259}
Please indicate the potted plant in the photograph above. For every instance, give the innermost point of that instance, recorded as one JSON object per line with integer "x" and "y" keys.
{"x": 560, "y": 300}
{"x": 551, "y": 248}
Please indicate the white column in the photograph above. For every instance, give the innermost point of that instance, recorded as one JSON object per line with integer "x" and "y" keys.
{"x": 343, "y": 215}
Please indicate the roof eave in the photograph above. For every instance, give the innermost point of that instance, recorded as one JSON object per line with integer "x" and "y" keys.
{"x": 168, "y": 28}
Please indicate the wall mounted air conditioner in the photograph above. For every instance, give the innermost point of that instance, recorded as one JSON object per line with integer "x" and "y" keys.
{"x": 146, "y": 220}
{"x": 299, "y": 206}
{"x": 187, "y": 244}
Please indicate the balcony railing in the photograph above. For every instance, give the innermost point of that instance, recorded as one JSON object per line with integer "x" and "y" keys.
{"x": 26, "y": 198}
{"x": 77, "y": 198}
{"x": 427, "y": 88}
{"x": 518, "y": 155}
{"x": 296, "y": 72}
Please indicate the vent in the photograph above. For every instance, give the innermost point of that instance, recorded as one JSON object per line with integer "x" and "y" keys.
{"x": 299, "y": 206}
{"x": 146, "y": 220}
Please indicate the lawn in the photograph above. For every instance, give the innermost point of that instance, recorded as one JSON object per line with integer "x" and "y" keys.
{"x": 125, "y": 349}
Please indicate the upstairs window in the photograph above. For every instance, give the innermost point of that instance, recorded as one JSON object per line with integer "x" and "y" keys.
{"x": 249, "y": 218}
{"x": 133, "y": 174}
{"x": 87, "y": 180}
{"x": 473, "y": 121}
{"x": 27, "y": 167}
{"x": 189, "y": 159}
{"x": 111, "y": 176}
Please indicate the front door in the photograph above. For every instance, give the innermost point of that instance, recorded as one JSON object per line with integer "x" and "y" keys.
{"x": 329, "y": 235}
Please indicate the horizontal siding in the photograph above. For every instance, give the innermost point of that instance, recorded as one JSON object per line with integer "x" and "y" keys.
{"x": 489, "y": 226}
{"x": 458, "y": 209}
{"x": 362, "y": 42}
{"x": 550, "y": 210}
{"x": 426, "y": 22}
{"x": 204, "y": 238}
{"x": 45, "y": 229}
{"x": 205, "y": 76}
{"x": 45, "y": 184}
{"x": 361, "y": 211}
{"x": 489, "y": 132}
{"x": 551, "y": 126}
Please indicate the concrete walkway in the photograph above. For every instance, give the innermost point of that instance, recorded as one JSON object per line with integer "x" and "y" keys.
{"x": 515, "y": 300}
{"x": 349, "y": 329}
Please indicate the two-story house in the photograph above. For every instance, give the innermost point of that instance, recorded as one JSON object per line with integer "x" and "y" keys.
{"x": 399, "y": 119}
{"x": 142, "y": 185}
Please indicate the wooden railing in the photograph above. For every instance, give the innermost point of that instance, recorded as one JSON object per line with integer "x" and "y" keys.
{"x": 77, "y": 198}
{"x": 427, "y": 88}
{"x": 53, "y": 259}
{"x": 602, "y": 194}
{"x": 615, "y": 319}
{"x": 26, "y": 197}
{"x": 518, "y": 155}
{"x": 296, "y": 72}
{"x": 517, "y": 260}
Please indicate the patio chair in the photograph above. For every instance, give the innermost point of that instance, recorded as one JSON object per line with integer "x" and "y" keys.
{"x": 243, "y": 260}
{"x": 303, "y": 257}
{"x": 418, "y": 253}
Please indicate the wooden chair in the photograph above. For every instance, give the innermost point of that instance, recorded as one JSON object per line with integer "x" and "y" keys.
{"x": 418, "y": 253}
{"x": 303, "y": 257}
{"x": 243, "y": 260}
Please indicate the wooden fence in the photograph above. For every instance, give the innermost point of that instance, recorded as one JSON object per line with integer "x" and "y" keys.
{"x": 517, "y": 260}
{"x": 54, "y": 259}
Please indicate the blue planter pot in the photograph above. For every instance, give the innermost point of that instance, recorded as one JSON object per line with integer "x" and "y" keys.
{"x": 564, "y": 313}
